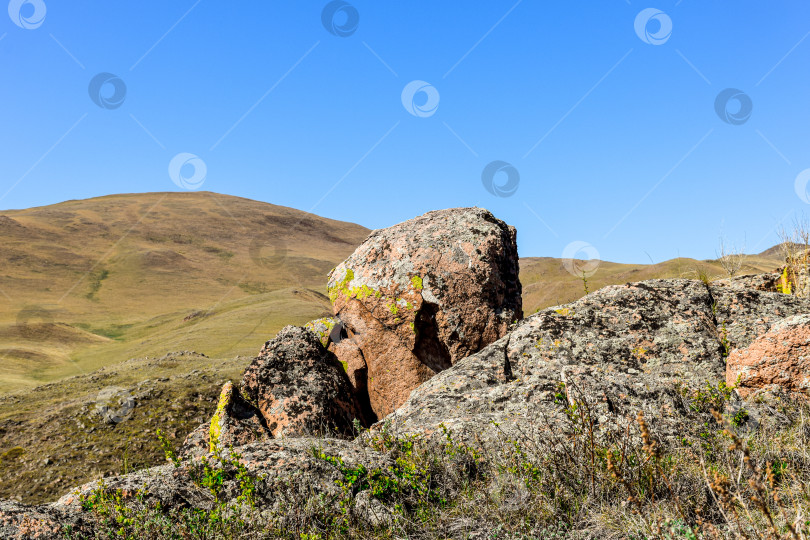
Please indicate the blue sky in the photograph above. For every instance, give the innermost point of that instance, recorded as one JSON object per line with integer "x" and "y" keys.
{"x": 614, "y": 135}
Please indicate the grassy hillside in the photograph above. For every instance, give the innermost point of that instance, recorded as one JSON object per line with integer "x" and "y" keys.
{"x": 88, "y": 283}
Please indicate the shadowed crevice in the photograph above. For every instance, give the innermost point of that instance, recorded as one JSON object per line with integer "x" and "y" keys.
{"x": 428, "y": 347}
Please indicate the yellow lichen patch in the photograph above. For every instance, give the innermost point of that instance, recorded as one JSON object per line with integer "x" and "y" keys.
{"x": 328, "y": 323}
{"x": 342, "y": 287}
{"x": 416, "y": 281}
{"x": 214, "y": 432}
{"x": 545, "y": 346}
{"x": 639, "y": 352}
{"x": 563, "y": 311}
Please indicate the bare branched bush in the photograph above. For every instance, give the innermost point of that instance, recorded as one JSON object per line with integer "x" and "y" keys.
{"x": 730, "y": 257}
{"x": 794, "y": 244}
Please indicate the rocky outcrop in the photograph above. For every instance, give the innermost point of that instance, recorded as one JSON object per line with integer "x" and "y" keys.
{"x": 285, "y": 471}
{"x": 779, "y": 358}
{"x": 743, "y": 314}
{"x": 235, "y": 423}
{"x": 418, "y": 297}
{"x": 620, "y": 350}
{"x": 300, "y": 387}
{"x": 428, "y": 328}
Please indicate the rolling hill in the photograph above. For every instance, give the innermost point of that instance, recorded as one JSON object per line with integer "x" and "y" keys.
{"x": 87, "y": 283}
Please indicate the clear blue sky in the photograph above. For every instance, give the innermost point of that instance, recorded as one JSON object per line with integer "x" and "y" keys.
{"x": 614, "y": 133}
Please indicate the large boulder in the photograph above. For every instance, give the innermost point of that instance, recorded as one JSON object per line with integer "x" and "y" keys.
{"x": 300, "y": 387}
{"x": 779, "y": 358}
{"x": 618, "y": 351}
{"x": 418, "y": 297}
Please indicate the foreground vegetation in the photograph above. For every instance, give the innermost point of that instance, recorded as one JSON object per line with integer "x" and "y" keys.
{"x": 727, "y": 475}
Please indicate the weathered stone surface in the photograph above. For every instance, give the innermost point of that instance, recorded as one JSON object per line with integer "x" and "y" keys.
{"x": 761, "y": 282}
{"x": 300, "y": 387}
{"x": 235, "y": 423}
{"x": 779, "y": 358}
{"x": 743, "y": 314}
{"x": 43, "y": 521}
{"x": 419, "y": 296}
{"x": 620, "y": 350}
{"x": 197, "y": 443}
